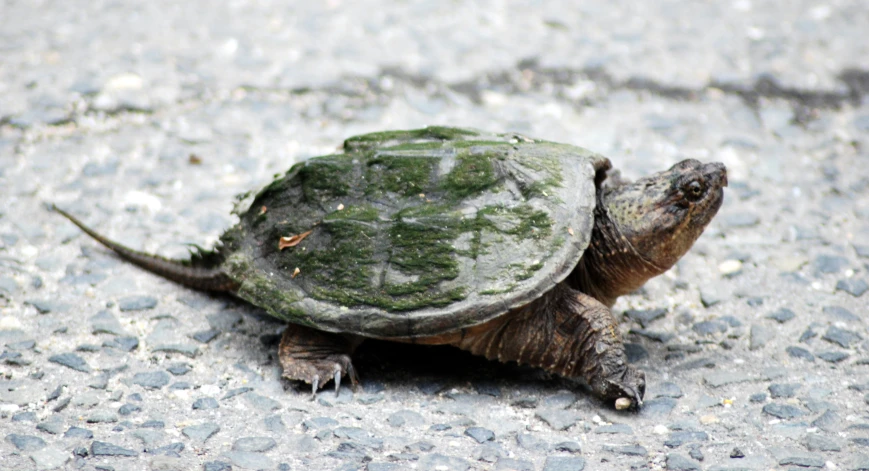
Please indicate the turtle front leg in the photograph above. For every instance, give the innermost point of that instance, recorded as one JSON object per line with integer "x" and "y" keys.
{"x": 568, "y": 333}
{"x": 316, "y": 357}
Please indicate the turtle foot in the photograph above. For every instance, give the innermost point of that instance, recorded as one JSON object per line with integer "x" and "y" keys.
{"x": 625, "y": 389}
{"x": 317, "y": 373}
{"x": 315, "y": 358}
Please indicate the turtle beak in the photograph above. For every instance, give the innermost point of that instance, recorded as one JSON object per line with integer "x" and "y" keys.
{"x": 715, "y": 173}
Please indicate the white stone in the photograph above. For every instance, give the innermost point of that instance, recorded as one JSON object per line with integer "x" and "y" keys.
{"x": 729, "y": 267}
{"x": 9, "y": 323}
{"x": 126, "y": 81}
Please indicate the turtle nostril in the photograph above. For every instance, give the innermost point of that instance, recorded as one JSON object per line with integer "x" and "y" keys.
{"x": 717, "y": 171}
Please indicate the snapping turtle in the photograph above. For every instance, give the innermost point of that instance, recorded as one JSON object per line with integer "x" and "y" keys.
{"x": 504, "y": 246}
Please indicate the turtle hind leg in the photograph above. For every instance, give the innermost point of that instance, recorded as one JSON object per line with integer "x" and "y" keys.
{"x": 316, "y": 357}
{"x": 568, "y": 333}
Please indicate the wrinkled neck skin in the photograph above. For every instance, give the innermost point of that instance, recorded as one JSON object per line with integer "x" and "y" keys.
{"x": 611, "y": 266}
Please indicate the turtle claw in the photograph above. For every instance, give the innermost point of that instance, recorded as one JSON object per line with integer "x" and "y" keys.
{"x": 314, "y": 386}
{"x": 337, "y": 379}
{"x": 626, "y": 391}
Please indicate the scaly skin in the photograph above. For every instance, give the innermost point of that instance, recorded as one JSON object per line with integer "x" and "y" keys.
{"x": 641, "y": 229}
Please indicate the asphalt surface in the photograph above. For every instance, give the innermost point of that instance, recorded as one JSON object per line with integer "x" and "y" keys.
{"x": 145, "y": 119}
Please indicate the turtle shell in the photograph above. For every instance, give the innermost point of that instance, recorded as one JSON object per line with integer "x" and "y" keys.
{"x": 415, "y": 233}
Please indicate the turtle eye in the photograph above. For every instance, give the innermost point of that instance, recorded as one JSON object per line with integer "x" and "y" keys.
{"x": 693, "y": 190}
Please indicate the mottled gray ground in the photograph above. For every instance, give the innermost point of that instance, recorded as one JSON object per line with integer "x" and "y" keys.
{"x": 146, "y": 119}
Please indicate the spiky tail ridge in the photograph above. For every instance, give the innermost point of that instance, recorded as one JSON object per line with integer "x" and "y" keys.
{"x": 202, "y": 278}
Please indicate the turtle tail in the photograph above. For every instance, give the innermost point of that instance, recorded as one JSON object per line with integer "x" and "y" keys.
{"x": 199, "y": 272}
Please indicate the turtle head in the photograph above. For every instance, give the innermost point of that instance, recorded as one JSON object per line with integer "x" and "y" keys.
{"x": 660, "y": 216}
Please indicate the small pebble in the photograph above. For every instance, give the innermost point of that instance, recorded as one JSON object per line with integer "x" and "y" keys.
{"x": 28, "y": 416}
{"x": 658, "y": 407}
{"x": 275, "y": 424}
{"x": 179, "y": 369}
{"x": 817, "y": 442}
{"x": 128, "y": 409}
{"x": 842, "y": 337}
{"x": 320, "y": 423}
{"x": 510, "y": 464}
{"x": 803, "y": 461}
{"x": 420, "y": 447}
{"x": 668, "y": 389}
{"x": 646, "y": 316}
{"x": 526, "y": 402}
{"x": 569, "y": 447}
{"x": 124, "y": 344}
{"x": 782, "y": 411}
{"x": 710, "y": 296}
{"x": 782, "y": 315}
{"x": 853, "y": 286}
{"x": 201, "y": 432}
{"x": 78, "y": 432}
{"x": 107, "y": 449}
{"x": 72, "y": 361}
{"x": 780, "y": 390}
{"x": 151, "y": 380}
{"x": 254, "y": 444}
{"x": 722, "y": 378}
{"x": 826, "y": 264}
{"x": 635, "y": 352}
{"x": 760, "y": 336}
{"x": 564, "y": 463}
{"x": 205, "y": 336}
{"x": 487, "y": 388}
{"x": 709, "y": 419}
{"x": 205, "y": 403}
{"x": 839, "y": 313}
{"x": 677, "y": 462}
{"x": 627, "y": 450}
{"x": 137, "y": 303}
{"x": 102, "y": 417}
{"x": 730, "y": 268}
{"x": 186, "y": 349}
{"x": 709, "y": 327}
{"x": 480, "y": 434}
{"x": 25, "y": 442}
{"x": 105, "y": 323}
{"x": 262, "y": 403}
{"x": 757, "y": 398}
{"x": 681, "y": 437}
{"x": 559, "y": 419}
{"x": 236, "y": 392}
{"x": 833, "y": 357}
{"x": 249, "y": 460}
{"x": 561, "y": 400}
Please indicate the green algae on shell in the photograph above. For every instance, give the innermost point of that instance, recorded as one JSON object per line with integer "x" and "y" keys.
{"x": 416, "y": 232}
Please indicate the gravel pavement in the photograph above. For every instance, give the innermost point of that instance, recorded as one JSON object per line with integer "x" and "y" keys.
{"x": 145, "y": 119}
